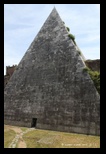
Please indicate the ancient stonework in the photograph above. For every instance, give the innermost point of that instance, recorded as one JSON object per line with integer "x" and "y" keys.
{"x": 50, "y": 89}
{"x": 9, "y": 72}
{"x": 94, "y": 65}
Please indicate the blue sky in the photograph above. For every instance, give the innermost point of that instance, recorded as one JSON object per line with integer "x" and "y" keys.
{"x": 22, "y": 22}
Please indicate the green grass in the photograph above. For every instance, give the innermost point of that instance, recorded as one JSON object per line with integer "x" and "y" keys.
{"x": 53, "y": 139}
{"x": 8, "y": 137}
{"x": 23, "y": 129}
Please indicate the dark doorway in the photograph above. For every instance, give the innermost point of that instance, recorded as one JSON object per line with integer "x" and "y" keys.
{"x": 34, "y": 120}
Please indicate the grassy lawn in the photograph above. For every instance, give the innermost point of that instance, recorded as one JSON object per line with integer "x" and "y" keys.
{"x": 53, "y": 139}
{"x": 8, "y": 136}
{"x": 23, "y": 128}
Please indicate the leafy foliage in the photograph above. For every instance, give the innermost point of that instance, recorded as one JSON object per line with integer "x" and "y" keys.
{"x": 79, "y": 52}
{"x": 86, "y": 69}
{"x": 95, "y": 76}
{"x": 72, "y": 37}
{"x": 68, "y": 28}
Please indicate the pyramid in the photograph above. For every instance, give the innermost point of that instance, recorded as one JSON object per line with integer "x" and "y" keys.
{"x": 50, "y": 89}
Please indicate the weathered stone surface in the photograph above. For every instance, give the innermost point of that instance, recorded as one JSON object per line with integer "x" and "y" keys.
{"x": 9, "y": 72}
{"x": 49, "y": 84}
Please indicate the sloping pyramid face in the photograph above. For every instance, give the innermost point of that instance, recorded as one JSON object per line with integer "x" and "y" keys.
{"x": 49, "y": 89}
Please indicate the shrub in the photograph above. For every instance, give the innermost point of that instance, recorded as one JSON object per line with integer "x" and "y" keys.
{"x": 74, "y": 42}
{"x": 79, "y": 52}
{"x": 95, "y": 76}
{"x": 71, "y": 36}
{"x": 68, "y": 29}
{"x": 86, "y": 69}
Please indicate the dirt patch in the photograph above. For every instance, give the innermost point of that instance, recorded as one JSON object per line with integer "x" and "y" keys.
{"x": 21, "y": 143}
{"x": 19, "y": 140}
{"x": 16, "y": 129}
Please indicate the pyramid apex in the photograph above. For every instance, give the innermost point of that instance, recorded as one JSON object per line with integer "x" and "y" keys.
{"x": 54, "y": 13}
{"x": 54, "y": 9}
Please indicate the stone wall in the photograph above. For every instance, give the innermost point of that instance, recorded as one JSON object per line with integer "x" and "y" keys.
{"x": 9, "y": 71}
{"x": 94, "y": 65}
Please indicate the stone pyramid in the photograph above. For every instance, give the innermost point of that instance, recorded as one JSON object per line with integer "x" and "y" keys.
{"x": 49, "y": 89}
